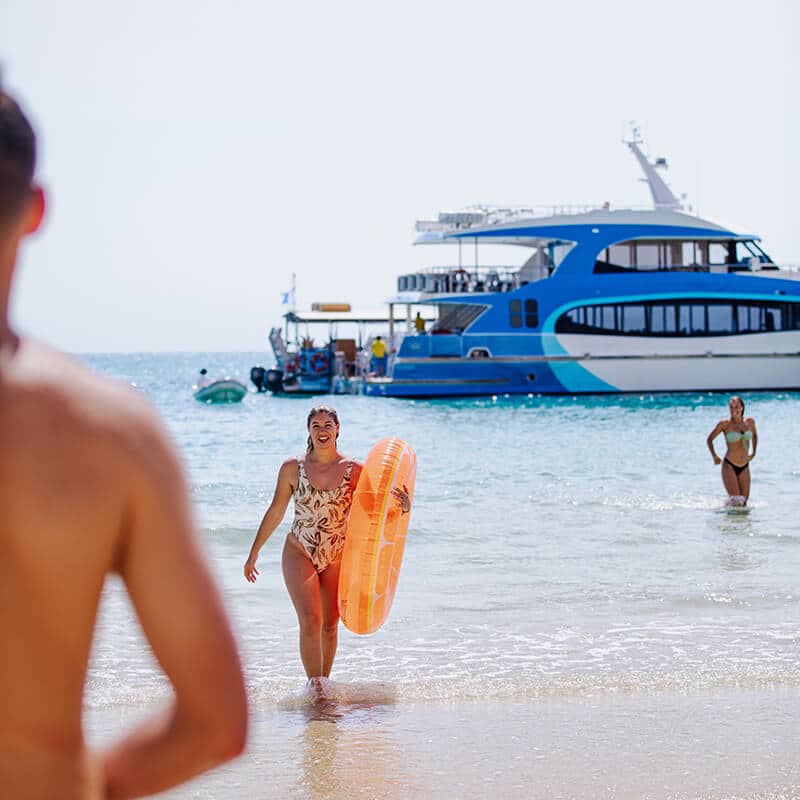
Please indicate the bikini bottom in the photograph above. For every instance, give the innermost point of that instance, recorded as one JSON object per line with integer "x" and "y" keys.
{"x": 736, "y": 469}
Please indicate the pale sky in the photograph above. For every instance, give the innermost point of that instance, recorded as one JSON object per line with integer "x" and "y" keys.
{"x": 196, "y": 154}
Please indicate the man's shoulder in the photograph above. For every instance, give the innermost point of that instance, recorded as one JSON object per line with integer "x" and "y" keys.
{"x": 53, "y": 384}
{"x": 89, "y": 443}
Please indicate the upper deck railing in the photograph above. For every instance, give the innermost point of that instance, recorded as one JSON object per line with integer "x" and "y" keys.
{"x": 446, "y": 280}
{"x": 506, "y": 278}
{"x": 495, "y": 215}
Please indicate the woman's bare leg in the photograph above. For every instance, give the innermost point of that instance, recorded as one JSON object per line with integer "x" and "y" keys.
{"x": 303, "y": 584}
{"x": 744, "y": 484}
{"x": 329, "y": 591}
{"x": 729, "y": 480}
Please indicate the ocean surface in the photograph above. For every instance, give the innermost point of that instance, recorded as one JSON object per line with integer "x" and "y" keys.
{"x": 578, "y": 615}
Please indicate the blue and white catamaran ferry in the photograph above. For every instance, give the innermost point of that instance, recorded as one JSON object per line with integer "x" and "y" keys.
{"x": 608, "y": 301}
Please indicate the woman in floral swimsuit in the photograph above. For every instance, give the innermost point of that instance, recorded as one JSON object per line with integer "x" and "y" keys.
{"x": 322, "y": 484}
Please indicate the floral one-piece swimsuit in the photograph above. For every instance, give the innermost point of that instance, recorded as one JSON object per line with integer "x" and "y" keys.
{"x": 320, "y": 517}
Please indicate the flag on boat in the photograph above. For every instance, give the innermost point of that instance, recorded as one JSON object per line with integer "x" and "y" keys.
{"x": 288, "y": 298}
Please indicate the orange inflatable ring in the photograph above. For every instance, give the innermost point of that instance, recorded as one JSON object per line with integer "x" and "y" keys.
{"x": 376, "y": 536}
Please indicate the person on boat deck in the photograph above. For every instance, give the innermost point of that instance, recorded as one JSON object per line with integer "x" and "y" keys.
{"x": 740, "y": 434}
{"x": 204, "y": 379}
{"x": 419, "y": 323}
{"x": 379, "y": 357}
{"x": 322, "y": 483}
{"x": 91, "y": 486}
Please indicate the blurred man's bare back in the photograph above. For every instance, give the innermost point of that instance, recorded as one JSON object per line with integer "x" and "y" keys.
{"x": 61, "y": 523}
{"x": 90, "y": 485}
{"x": 87, "y": 487}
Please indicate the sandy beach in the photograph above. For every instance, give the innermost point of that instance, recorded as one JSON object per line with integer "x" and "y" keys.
{"x": 665, "y": 746}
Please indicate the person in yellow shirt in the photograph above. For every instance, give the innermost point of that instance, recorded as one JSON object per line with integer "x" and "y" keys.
{"x": 379, "y": 357}
{"x": 419, "y": 323}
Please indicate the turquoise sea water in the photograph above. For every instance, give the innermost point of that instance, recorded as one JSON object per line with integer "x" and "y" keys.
{"x": 577, "y": 616}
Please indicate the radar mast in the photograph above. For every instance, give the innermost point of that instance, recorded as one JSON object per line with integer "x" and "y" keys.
{"x": 663, "y": 198}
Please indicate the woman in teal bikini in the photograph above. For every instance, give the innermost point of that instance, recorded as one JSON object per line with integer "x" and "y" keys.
{"x": 740, "y": 433}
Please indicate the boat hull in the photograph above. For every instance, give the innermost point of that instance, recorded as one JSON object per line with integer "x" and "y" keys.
{"x": 222, "y": 391}
{"x": 584, "y": 365}
{"x": 593, "y": 338}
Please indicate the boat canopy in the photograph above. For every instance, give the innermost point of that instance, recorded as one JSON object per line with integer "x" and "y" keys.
{"x": 377, "y": 317}
{"x": 535, "y": 231}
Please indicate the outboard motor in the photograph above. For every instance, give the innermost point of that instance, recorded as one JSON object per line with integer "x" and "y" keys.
{"x": 258, "y": 375}
{"x": 274, "y": 380}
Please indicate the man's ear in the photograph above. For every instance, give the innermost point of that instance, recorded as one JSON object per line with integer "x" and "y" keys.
{"x": 35, "y": 212}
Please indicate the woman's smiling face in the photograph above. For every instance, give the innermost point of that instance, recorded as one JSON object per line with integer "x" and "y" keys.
{"x": 323, "y": 429}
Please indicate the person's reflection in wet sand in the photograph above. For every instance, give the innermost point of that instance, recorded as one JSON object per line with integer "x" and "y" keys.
{"x": 346, "y": 752}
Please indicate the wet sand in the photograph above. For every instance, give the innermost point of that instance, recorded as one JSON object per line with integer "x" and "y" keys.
{"x": 717, "y": 746}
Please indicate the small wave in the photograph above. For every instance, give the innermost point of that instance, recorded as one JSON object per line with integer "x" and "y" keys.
{"x": 680, "y": 669}
{"x": 650, "y": 502}
{"x": 225, "y": 531}
{"x": 518, "y": 680}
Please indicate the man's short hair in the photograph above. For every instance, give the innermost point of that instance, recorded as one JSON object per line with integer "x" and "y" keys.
{"x": 17, "y": 157}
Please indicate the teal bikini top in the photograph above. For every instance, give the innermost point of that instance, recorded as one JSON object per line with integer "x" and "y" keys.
{"x": 735, "y": 436}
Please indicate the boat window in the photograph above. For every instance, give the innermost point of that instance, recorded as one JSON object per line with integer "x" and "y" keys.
{"x": 720, "y": 319}
{"x": 663, "y": 320}
{"x": 647, "y": 255}
{"x": 456, "y": 317}
{"x": 718, "y": 253}
{"x": 619, "y": 255}
{"x": 751, "y": 249}
{"x": 672, "y": 254}
{"x": 690, "y": 255}
{"x": 699, "y": 317}
{"x": 531, "y": 314}
{"x": 772, "y": 321}
{"x": 693, "y": 318}
{"x": 675, "y": 254}
{"x": 632, "y": 319}
{"x": 755, "y": 253}
{"x": 748, "y": 318}
{"x": 515, "y": 308}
